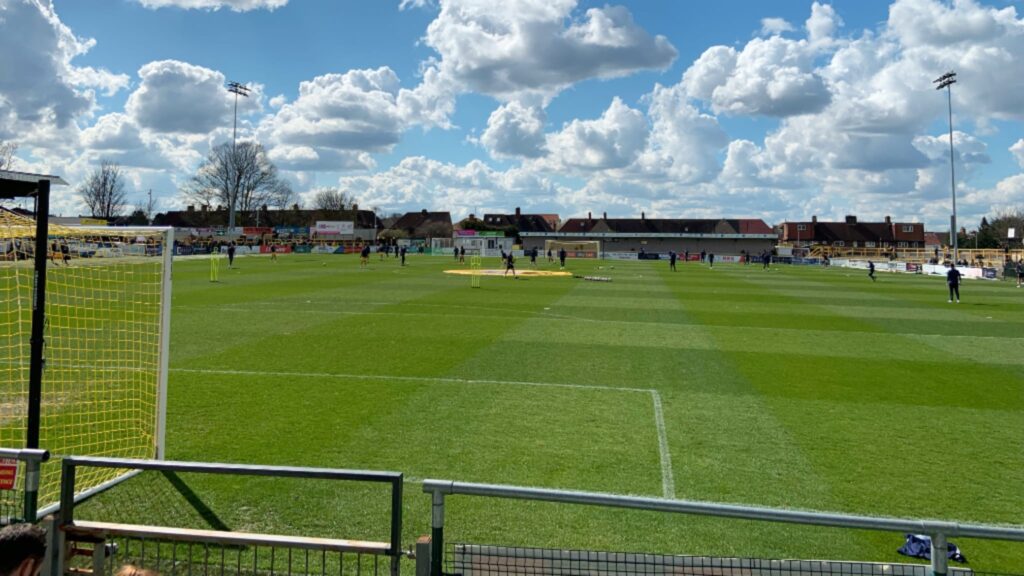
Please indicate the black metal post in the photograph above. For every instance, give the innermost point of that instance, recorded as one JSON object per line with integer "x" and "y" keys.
{"x": 437, "y": 534}
{"x": 31, "y": 489}
{"x": 396, "y": 525}
{"x": 35, "y": 375}
{"x": 67, "y": 491}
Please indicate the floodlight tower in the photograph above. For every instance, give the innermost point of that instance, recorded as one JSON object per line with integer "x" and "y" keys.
{"x": 238, "y": 90}
{"x": 946, "y": 81}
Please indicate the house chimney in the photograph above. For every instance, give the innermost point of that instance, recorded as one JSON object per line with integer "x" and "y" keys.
{"x": 355, "y": 207}
{"x": 517, "y": 212}
{"x": 888, "y": 219}
{"x": 643, "y": 216}
{"x": 814, "y": 219}
{"x": 424, "y": 211}
{"x": 190, "y": 208}
{"x": 851, "y": 219}
{"x": 604, "y": 215}
{"x": 589, "y": 218}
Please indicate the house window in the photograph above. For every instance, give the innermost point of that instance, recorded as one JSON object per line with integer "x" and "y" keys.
{"x": 904, "y": 244}
{"x": 869, "y": 244}
{"x": 839, "y": 243}
{"x": 908, "y": 227}
{"x": 801, "y": 227}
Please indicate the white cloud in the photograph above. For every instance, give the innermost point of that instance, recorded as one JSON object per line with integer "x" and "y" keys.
{"x": 822, "y": 24}
{"x": 775, "y": 26}
{"x": 522, "y": 47}
{"x": 407, "y": 4}
{"x": 684, "y": 143}
{"x": 178, "y": 97}
{"x": 768, "y": 77}
{"x": 356, "y": 111}
{"x": 39, "y": 83}
{"x": 515, "y": 130}
{"x": 305, "y": 158}
{"x": 420, "y": 183}
{"x": 615, "y": 140}
{"x": 985, "y": 45}
{"x": 1018, "y": 152}
{"x": 278, "y": 101}
{"x": 234, "y": 5}
{"x": 429, "y": 104}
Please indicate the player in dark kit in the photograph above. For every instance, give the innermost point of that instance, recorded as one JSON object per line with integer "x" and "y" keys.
{"x": 1020, "y": 272}
{"x": 561, "y": 257}
{"x": 462, "y": 255}
{"x": 711, "y": 260}
{"x": 953, "y": 279}
{"x": 871, "y": 270}
{"x": 231, "y": 254}
{"x": 510, "y": 264}
{"x": 671, "y": 260}
{"x": 401, "y": 253}
{"x": 550, "y": 257}
{"x": 364, "y": 256}
{"x": 533, "y": 257}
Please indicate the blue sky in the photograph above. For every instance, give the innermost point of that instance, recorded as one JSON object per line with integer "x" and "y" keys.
{"x": 733, "y": 108}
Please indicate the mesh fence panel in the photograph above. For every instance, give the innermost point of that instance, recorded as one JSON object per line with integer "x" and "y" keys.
{"x": 487, "y": 560}
{"x": 170, "y": 558}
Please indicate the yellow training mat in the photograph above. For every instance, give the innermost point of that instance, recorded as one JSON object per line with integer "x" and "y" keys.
{"x": 501, "y": 272}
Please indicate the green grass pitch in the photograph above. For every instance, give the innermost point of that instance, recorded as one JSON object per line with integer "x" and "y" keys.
{"x": 795, "y": 387}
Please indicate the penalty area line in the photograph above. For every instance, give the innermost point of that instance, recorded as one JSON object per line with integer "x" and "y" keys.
{"x": 664, "y": 455}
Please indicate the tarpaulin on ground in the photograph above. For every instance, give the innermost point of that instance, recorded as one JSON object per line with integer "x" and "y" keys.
{"x": 920, "y": 546}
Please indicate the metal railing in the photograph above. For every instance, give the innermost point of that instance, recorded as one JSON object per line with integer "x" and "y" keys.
{"x": 939, "y": 531}
{"x": 171, "y": 550}
{"x": 27, "y": 488}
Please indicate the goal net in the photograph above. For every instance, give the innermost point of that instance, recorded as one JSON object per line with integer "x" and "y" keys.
{"x": 105, "y": 353}
{"x": 575, "y": 249}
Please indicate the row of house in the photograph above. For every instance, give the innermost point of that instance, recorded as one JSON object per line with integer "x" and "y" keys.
{"x": 854, "y": 234}
{"x": 723, "y": 235}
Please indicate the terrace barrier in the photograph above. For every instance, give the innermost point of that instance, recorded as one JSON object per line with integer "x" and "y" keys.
{"x": 471, "y": 559}
{"x": 81, "y": 547}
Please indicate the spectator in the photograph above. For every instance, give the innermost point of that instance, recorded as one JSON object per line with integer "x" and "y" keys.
{"x": 22, "y": 548}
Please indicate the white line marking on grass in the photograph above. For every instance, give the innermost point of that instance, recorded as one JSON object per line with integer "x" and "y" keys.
{"x": 405, "y": 378}
{"x": 664, "y": 456}
{"x": 668, "y": 483}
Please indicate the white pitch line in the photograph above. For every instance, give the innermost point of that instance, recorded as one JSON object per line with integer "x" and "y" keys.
{"x": 405, "y": 378}
{"x": 668, "y": 483}
{"x": 665, "y": 457}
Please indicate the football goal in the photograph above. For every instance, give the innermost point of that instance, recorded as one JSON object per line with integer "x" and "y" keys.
{"x": 86, "y": 374}
{"x": 575, "y": 248}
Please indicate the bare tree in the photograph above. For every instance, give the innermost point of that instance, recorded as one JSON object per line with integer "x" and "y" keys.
{"x": 241, "y": 176}
{"x": 7, "y": 150}
{"x": 103, "y": 191}
{"x": 332, "y": 199}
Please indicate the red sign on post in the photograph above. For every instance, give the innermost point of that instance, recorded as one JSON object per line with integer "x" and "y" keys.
{"x": 8, "y": 473}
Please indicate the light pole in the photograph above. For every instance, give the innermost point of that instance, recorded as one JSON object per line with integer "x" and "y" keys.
{"x": 238, "y": 90}
{"x": 946, "y": 81}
